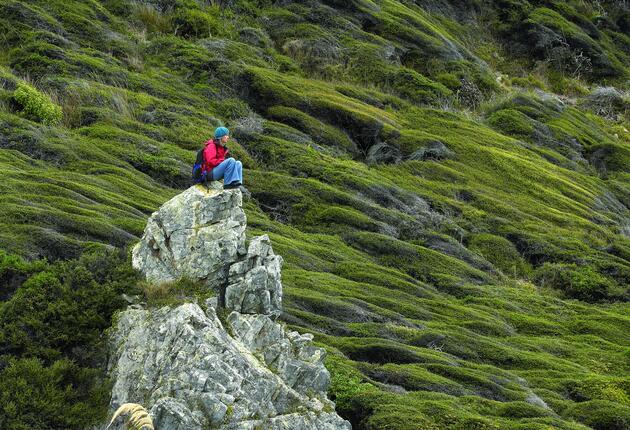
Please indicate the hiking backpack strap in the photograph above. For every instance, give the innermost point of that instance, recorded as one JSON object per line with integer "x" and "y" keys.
{"x": 197, "y": 170}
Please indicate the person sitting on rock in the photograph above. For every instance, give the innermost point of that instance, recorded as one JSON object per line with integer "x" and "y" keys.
{"x": 219, "y": 167}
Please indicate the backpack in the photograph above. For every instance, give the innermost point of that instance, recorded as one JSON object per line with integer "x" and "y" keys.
{"x": 199, "y": 175}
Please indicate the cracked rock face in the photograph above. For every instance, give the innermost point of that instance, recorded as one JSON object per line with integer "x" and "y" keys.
{"x": 196, "y": 234}
{"x": 254, "y": 285}
{"x": 183, "y": 365}
{"x": 191, "y": 370}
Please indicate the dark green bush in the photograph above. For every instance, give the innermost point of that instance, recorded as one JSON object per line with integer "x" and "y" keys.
{"x": 500, "y": 252}
{"x": 345, "y": 383}
{"x": 61, "y": 311}
{"x": 511, "y": 122}
{"x": 194, "y": 23}
{"x": 579, "y": 282}
{"x": 14, "y": 271}
{"x": 602, "y": 415}
{"x": 415, "y": 87}
{"x": 51, "y": 339}
{"x": 60, "y": 395}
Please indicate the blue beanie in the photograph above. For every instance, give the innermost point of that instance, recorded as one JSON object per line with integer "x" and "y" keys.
{"x": 220, "y": 132}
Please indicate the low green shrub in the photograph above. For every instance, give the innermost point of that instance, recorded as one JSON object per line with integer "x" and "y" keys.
{"x": 52, "y": 356}
{"x": 601, "y": 415}
{"x": 194, "y": 23}
{"x": 34, "y": 395}
{"x": 415, "y": 87}
{"x": 522, "y": 410}
{"x": 345, "y": 383}
{"x": 500, "y": 252}
{"x": 511, "y": 122}
{"x": 528, "y": 82}
{"x": 400, "y": 417}
{"x": 37, "y": 105}
{"x": 613, "y": 389}
{"x": 579, "y": 282}
{"x": 449, "y": 80}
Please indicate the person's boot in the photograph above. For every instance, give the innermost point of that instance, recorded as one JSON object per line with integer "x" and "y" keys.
{"x": 232, "y": 185}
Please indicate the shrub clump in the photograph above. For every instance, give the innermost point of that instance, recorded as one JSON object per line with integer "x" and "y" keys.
{"x": 602, "y": 415}
{"x": 193, "y": 23}
{"x": 37, "y": 105}
{"x": 345, "y": 383}
{"x": 61, "y": 395}
{"x": 416, "y": 87}
{"x": 511, "y": 122}
{"x": 609, "y": 103}
{"x": 51, "y": 338}
{"x": 577, "y": 282}
{"x": 500, "y": 252}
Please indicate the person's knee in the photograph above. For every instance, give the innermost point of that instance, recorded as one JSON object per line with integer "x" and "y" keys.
{"x": 230, "y": 160}
{"x": 239, "y": 164}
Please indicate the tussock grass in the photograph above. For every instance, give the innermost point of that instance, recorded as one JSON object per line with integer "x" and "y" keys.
{"x": 172, "y": 293}
{"x": 139, "y": 418}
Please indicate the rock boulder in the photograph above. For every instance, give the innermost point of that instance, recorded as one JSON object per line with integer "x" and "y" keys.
{"x": 194, "y": 371}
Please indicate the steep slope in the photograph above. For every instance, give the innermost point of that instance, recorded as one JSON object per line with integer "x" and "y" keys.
{"x": 444, "y": 180}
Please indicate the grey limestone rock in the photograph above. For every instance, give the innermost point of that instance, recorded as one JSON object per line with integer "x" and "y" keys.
{"x": 290, "y": 355}
{"x": 254, "y": 285}
{"x": 183, "y": 365}
{"x": 196, "y": 234}
{"x": 192, "y": 370}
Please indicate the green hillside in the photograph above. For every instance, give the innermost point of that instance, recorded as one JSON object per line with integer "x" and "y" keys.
{"x": 448, "y": 182}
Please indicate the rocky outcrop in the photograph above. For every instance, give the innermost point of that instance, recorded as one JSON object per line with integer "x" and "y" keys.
{"x": 254, "y": 285}
{"x": 196, "y": 234}
{"x": 190, "y": 368}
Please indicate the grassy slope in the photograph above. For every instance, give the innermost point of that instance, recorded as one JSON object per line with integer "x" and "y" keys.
{"x": 437, "y": 278}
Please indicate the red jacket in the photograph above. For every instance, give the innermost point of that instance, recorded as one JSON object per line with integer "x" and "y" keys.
{"x": 213, "y": 155}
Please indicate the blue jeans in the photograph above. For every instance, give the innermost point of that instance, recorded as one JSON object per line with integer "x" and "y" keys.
{"x": 230, "y": 170}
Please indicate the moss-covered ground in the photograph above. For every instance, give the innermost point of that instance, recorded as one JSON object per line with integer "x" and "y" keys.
{"x": 449, "y": 186}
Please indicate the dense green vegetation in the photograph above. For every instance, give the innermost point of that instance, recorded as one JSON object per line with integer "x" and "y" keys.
{"x": 448, "y": 183}
{"x": 52, "y": 343}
